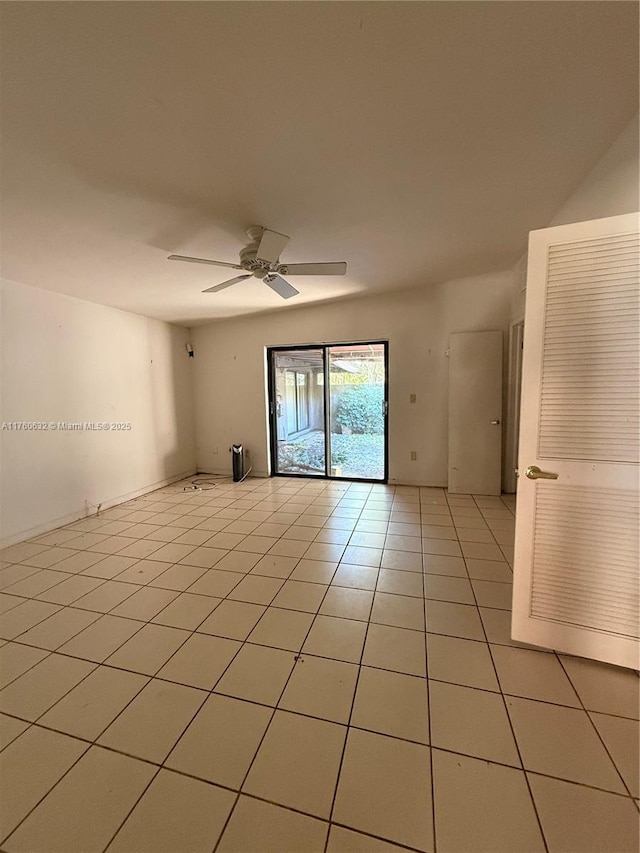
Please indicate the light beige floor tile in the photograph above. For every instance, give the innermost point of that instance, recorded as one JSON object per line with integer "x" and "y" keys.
{"x": 367, "y": 539}
{"x": 175, "y": 813}
{"x": 39, "y": 582}
{"x": 302, "y": 534}
{"x": 454, "y": 620}
{"x": 575, "y": 818}
{"x": 339, "y": 639}
{"x": 172, "y": 553}
{"x": 402, "y": 528}
{"x": 101, "y": 639}
{"x": 282, "y": 629}
{"x": 314, "y": 571}
{"x": 274, "y": 566}
{"x": 492, "y": 594}
{"x": 59, "y": 628}
{"x": 180, "y": 578}
{"x": 109, "y": 567}
{"x": 441, "y": 588}
{"x": 298, "y": 595}
{"x": 16, "y": 659}
{"x": 289, "y": 547}
{"x": 145, "y": 604}
{"x": 21, "y": 551}
{"x": 238, "y": 561}
{"x": 358, "y": 555}
{"x": 206, "y": 557}
{"x": 70, "y": 590}
{"x": 291, "y": 745}
{"x": 440, "y": 546}
{"x": 356, "y": 577}
{"x": 257, "y": 674}
{"x": 152, "y": 723}
{"x": 225, "y": 540}
{"x": 149, "y": 649}
{"x": 402, "y": 611}
{"x": 407, "y": 561}
{"x": 364, "y": 525}
{"x": 343, "y": 840}
{"x": 621, "y": 738}
{"x": 255, "y": 589}
{"x": 601, "y": 687}
{"x": 483, "y": 806}
{"x": 233, "y": 619}
{"x": 256, "y": 825}
{"x": 489, "y": 570}
{"x": 86, "y": 540}
{"x": 10, "y": 574}
{"x": 256, "y": 544}
{"x": 393, "y": 704}
{"x": 8, "y": 602}
{"x": 106, "y": 597}
{"x": 348, "y": 603}
{"x": 461, "y": 662}
{"x": 222, "y": 740}
{"x": 39, "y": 688}
{"x": 482, "y": 551}
{"x": 533, "y": 675}
{"x": 91, "y": 706}
{"x": 200, "y": 661}
{"x": 473, "y": 722}
{"x": 216, "y": 583}
{"x": 385, "y": 789}
{"x": 110, "y": 545}
{"x": 187, "y": 611}
{"x": 140, "y": 548}
{"x": 49, "y": 557}
{"x": 404, "y": 543}
{"x": 25, "y": 616}
{"x": 325, "y": 551}
{"x": 561, "y": 742}
{"x": 29, "y": 768}
{"x": 441, "y": 564}
{"x": 102, "y": 787}
{"x": 10, "y": 729}
{"x": 321, "y": 688}
{"x": 396, "y": 649}
{"x": 143, "y": 571}
{"x": 400, "y": 583}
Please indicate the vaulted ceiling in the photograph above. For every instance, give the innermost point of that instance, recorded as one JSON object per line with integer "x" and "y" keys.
{"x": 418, "y": 141}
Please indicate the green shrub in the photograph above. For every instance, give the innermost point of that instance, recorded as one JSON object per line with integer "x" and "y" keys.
{"x": 359, "y": 409}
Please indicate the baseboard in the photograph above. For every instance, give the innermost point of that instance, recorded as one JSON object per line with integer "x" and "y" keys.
{"x": 40, "y": 529}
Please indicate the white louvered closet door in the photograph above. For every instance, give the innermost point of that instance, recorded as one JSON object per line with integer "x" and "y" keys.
{"x": 576, "y": 574}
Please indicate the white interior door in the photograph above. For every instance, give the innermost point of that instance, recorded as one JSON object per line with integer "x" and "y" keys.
{"x": 576, "y": 577}
{"x": 475, "y": 413}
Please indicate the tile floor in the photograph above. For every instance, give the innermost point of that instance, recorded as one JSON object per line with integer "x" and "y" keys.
{"x": 293, "y": 665}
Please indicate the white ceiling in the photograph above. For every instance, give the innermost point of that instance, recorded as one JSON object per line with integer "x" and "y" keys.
{"x": 417, "y": 141}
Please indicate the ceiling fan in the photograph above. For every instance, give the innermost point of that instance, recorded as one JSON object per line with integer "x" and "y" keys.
{"x": 261, "y": 259}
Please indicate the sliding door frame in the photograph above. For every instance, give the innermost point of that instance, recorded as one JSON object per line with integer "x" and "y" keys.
{"x": 273, "y": 428}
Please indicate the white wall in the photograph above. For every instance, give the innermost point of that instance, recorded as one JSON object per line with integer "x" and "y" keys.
{"x": 230, "y": 391}
{"x": 612, "y": 187}
{"x": 67, "y": 360}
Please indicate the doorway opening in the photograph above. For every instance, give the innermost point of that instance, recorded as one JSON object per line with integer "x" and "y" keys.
{"x": 328, "y": 410}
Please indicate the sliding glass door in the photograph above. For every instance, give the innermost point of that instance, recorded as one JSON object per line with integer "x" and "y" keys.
{"x": 328, "y": 410}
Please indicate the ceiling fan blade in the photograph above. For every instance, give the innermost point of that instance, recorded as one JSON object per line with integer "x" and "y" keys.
{"x": 281, "y": 287}
{"x": 226, "y": 284}
{"x": 271, "y": 245}
{"x": 339, "y": 268}
{"x": 203, "y": 261}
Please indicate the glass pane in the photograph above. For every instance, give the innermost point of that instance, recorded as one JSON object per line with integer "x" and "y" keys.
{"x": 299, "y": 406}
{"x": 357, "y": 383}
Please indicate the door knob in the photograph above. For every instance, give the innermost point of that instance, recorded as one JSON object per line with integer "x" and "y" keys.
{"x": 495, "y": 422}
{"x": 534, "y": 473}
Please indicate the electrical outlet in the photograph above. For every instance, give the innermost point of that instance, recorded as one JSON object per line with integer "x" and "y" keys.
{"x": 414, "y": 456}
{"x": 412, "y": 398}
